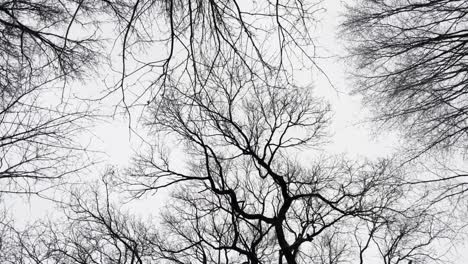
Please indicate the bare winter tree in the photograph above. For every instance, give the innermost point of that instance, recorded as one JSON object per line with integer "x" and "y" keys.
{"x": 67, "y": 35}
{"x": 37, "y": 143}
{"x": 252, "y": 189}
{"x": 39, "y": 41}
{"x": 248, "y": 194}
{"x": 164, "y": 40}
{"x": 93, "y": 231}
{"x": 38, "y": 54}
{"x": 45, "y": 43}
{"x": 411, "y": 70}
{"x": 411, "y": 63}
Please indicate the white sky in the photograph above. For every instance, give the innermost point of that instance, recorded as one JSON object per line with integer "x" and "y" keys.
{"x": 115, "y": 140}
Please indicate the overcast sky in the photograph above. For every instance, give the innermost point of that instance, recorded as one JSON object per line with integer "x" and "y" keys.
{"x": 351, "y": 135}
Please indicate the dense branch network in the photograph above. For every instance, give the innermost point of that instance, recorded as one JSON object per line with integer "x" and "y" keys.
{"x": 194, "y": 35}
{"x": 411, "y": 69}
{"x": 38, "y": 54}
{"x": 249, "y": 187}
{"x": 244, "y": 198}
{"x": 412, "y": 66}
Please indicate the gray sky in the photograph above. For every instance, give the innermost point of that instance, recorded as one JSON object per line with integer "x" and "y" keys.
{"x": 350, "y": 134}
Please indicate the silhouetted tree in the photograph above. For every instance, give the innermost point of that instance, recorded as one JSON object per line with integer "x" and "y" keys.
{"x": 40, "y": 51}
{"x": 38, "y": 142}
{"x": 94, "y": 231}
{"x": 40, "y": 42}
{"x": 47, "y": 43}
{"x": 162, "y": 40}
{"x": 338, "y": 214}
{"x": 411, "y": 64}
{"x": 247, "y": 194}
{"x": 411, "y": 70}
{"x": 250, "y": 188}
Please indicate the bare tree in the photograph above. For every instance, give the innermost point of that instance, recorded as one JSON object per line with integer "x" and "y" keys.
{"x": 411, "y": 63}
{"x": 39, "y": 41}
{"x": 411, "y": 70}
{"x": 45, "y": 43}
{"x": 38, "y": 143}
{"x": 162, "y": 40}
{"x": 244, "y": 197}
{"x": 92, "y": 231}
{"x": 247, "y": 196}
{"x": 39, "y": 126}
{"x": 252, "y": 190}
{"x": 186, "y": 35}
{"x": 40, "y": 50}
{"x": 38, "y": 149}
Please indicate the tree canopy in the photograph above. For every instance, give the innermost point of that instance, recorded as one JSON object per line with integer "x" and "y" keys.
{"x": 411, "y": 66}
{"x": 234, "y": 135}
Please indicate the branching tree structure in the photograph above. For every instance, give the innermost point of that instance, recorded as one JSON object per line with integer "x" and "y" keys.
{"x": 345, "y": 218}
{"x": 221, "y": 84}
{"x": 412, "y": 71}
{"x": 39, "y": 42}
{"x": 38, "y": 53}
{"x": 412, "y": 66}
{"x": 37, "y": 144}
{"x": 93, "y": 232}
{"x": 245, "y": 198}
{"x": 192, "y": 35}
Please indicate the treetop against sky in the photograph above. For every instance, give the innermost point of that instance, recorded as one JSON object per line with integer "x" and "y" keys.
{"x": 183, "y": 131}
